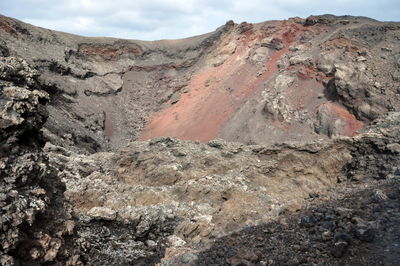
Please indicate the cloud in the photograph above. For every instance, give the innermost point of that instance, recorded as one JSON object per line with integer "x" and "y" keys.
{"x": 160, "y": 19}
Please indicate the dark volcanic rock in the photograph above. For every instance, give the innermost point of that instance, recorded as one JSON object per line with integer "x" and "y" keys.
{"x": 35, "y": 220}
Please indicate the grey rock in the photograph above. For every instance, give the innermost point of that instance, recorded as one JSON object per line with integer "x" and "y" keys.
{"x": 365, "y": 232}
{"x": 29, "y": 186}
{"x": 175, "y": 97}
{"x": 341, "y": 243}
{"x": 378, "y": 196}
{"x": 273, "y": 43}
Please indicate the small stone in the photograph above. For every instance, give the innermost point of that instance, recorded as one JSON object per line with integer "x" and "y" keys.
{"x": 393, "y": 147}
{"x": 102, "y": 213}
{"x": 35, "y": 253}
{"x": 339, "y": 249}
{"x": 176, "y": 241}
{"x": 341, "y": 244}
{"x": 361, "y": 59}
{"x": 175, "y": 97}
{"x": 296, "y": 247}
{"x": 386, "y": 49}
{"x": 178, "y": 153}
{"x": 362, "y": 53}
{"x": 273, "y": 43}
{"x": 327, "y": 235}
{"x": 293, "y": 206}
{"x": 216, "y": 143}
{"x": 188, "y": 258}
{"x": 54, "y": 246}
{"x": 12, "y": 193}
{"x": 378, "y": 196}
{"x": 308, "y": 221}
{"x": 151, "y": 244}
{"x": 6, "y": 260}
{"x": 342, "y": 237}
{"x": 69, "y": 227}
{"x": 365, "y": 232}
{"x": 377, "y": 85}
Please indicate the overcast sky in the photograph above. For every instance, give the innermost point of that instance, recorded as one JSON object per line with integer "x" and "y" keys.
{"x": 171, "y": 19}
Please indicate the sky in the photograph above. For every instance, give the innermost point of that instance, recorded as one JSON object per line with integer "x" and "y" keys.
{"x": 173, "y": 19}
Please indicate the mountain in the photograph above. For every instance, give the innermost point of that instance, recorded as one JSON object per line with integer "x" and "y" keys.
{"x": 256, "y": 144}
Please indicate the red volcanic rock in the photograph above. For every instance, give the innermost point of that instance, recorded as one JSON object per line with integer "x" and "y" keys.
{"x": 335, "y": 120}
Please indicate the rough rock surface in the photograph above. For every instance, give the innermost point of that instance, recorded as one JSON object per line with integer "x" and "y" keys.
{"x": 186, "y": 193}
{"x": 120, "y": 152}
{"x": 298, "y": 79}
{"x": 35, "y": 221}
{"x": 352, "y": 230}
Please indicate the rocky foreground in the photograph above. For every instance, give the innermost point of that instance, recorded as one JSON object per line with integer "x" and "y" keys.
{"x": 290, "y": 150}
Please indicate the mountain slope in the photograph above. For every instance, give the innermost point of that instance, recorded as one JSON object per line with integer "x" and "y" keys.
{"x": 272, "y": 81}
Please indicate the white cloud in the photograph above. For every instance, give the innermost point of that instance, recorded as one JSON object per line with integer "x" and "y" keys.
{"x": 159, "y": 19}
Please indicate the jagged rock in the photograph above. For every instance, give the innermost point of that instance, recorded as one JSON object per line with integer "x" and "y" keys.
{"x": 102, "y": 213}
{"x": 379, "y": 196}
{"x": 273, "y": 43}
{"x": 31, "y": 192}
{"x": 324, "y": 19}
{"x": 278, "y": 109}
{"x": 176, "y": 241}
{"x": 260, "y": 55}
{"x": 364, "y": 232}
{"x": 175, "y": 97}
{"x": 328, "y": 123}
{"x": 341, "y": 244}
{"x": 300, "y": 59}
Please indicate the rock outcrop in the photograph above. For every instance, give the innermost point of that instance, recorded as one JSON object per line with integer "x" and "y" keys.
{"x": 35, "y": 221}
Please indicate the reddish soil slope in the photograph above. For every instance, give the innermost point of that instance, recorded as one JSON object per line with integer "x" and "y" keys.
{"x": 216, "y": 92}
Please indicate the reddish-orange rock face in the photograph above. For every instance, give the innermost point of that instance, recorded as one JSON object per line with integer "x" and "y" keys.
{"x": 351, "y": 125}
{"x": 215, "y": 93}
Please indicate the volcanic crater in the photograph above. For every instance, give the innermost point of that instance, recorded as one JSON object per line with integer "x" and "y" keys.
{"x": 275, "y": 143}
